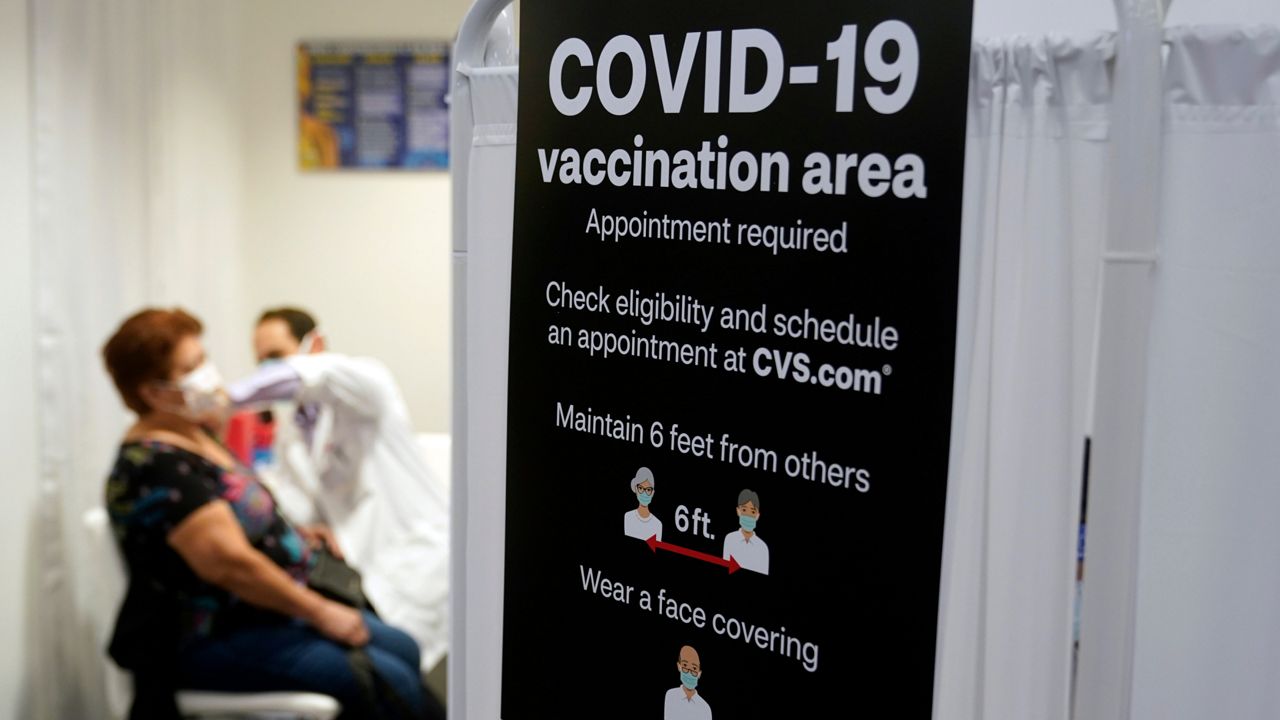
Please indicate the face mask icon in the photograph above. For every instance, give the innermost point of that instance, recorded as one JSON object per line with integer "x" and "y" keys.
{"x": 688, "y": 679}
{"x": 685, "y": 701}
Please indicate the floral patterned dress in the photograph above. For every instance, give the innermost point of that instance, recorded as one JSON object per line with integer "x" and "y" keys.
{"x": 153, "y": 487}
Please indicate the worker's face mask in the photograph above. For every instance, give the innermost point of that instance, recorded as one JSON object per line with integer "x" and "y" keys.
{"x": 200, "y": 391}
{"x": 307, "y": 344}
{"x": 688, "y": 679}
{"x": 645, "y": 497}
{"x": 747, "y": 522}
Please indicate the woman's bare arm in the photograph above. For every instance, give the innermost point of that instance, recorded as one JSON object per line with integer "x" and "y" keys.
{"x": 214, "y": 545}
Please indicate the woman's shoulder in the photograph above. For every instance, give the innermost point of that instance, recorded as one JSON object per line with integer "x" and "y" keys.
{"x": 141, "y": 451}
{"x": 150, "y": 458}
{"x": 150, "y": 477}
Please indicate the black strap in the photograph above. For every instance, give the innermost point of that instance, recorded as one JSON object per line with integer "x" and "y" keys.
{"x": 376, "y": 690}
{"x": 336, "y": 580}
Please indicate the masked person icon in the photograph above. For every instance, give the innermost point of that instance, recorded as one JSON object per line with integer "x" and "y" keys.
{"x": 685, "y": 702}
{"x": 641, "y": 523}
{"x": 743, "y": 544}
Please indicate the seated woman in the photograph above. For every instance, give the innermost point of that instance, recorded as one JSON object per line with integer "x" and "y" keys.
{"x": 218, "y": 597}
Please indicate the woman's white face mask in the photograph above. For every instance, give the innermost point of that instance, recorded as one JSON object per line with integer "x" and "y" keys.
{"x": 200, "y": 391}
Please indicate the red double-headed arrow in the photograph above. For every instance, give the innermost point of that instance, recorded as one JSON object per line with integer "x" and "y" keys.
{"x": 655, "y": 545}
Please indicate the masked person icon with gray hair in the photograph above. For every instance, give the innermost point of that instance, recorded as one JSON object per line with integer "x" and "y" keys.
{"x": 641, "y": 523}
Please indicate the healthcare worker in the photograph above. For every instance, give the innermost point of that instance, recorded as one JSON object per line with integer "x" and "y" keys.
{"x": 346, "y": 454}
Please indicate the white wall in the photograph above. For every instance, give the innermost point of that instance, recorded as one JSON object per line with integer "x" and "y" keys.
{"x": 18, "y": 410}
{"x": 367, "y": 252}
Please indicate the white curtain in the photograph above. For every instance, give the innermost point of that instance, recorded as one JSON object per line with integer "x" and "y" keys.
{"x": 1208, "y": 607}
{"x": 134, "y": 192}
{"x": 1034, "y": 220}
{"x": 1036, "y": 202}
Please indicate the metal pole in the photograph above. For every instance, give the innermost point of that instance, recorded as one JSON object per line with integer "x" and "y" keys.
{"x": 480, "y": 32}
{"x": 1108, "y": 612}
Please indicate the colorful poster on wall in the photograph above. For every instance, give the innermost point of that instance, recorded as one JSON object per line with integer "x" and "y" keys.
{"x": 373, "y": 105}
{"x": 733, "y": 327}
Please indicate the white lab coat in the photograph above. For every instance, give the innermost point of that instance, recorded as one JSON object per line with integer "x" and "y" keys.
{"x": 365, "y": 473}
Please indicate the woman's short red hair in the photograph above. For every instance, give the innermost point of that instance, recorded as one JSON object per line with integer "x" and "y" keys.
{"x": 141, "y": 351}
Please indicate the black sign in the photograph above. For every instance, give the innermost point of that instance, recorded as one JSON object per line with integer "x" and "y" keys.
{"x": 737, "y": 232}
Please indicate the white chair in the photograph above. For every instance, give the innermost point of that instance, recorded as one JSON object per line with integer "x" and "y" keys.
{"x": 109, "y": 584}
